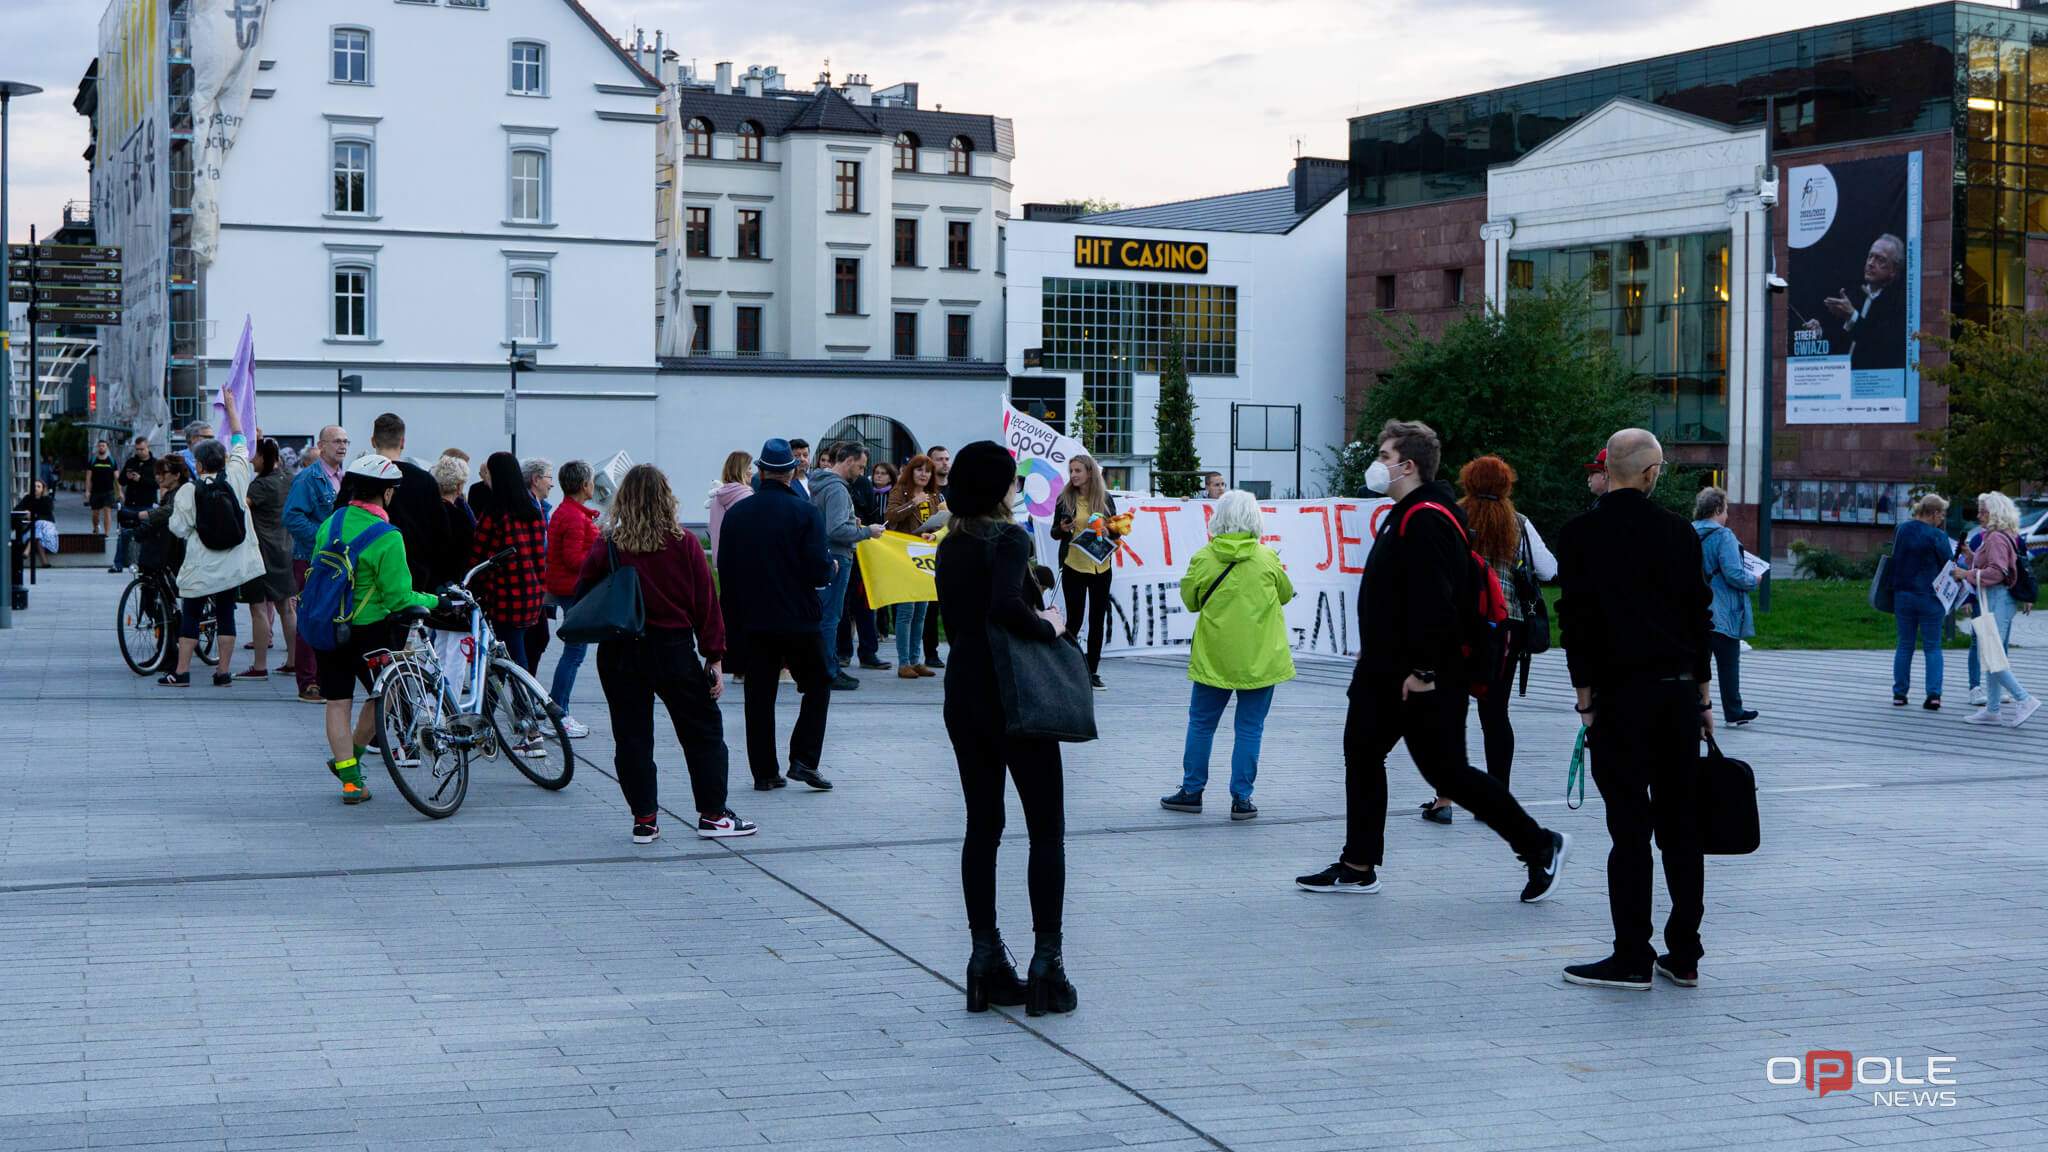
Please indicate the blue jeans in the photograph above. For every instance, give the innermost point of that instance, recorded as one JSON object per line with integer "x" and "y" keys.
{"x": 1205, "y": 710}
{"x": 1996, "y": 684}
{"x": 567, "y": 663}
{"x": 1919, "y": 615}
{"x": 909, "y": 633}
{"x": 831, "y": 603}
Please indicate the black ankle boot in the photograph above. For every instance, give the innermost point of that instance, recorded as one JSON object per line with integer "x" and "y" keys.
{"x": 1047, "y": 988}
{"x": 991, "y": 978}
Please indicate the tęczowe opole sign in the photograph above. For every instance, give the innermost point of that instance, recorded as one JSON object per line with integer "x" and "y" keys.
{"x": 1140, "y": 255}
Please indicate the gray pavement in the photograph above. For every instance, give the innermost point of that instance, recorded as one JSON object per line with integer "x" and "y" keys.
{"x": 204, "y": 949}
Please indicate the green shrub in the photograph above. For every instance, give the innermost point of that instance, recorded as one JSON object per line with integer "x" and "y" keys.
{"x": 1816, "y": 563}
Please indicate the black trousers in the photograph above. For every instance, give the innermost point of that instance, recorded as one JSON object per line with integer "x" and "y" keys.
{"x": 1088, "y": 599}
{"x": 1495, "y": 729}
{"x": 1727, "y": 652}
{"x": 1034, "y": 765}
{"x": 1433, "y": 724}
{"x": 931, "y": 632}
{"x": 767, "y": 654}
{"x": 662, "y": 665}
{"x": 536, "y": 640}
{"x": 1648, "y": 739}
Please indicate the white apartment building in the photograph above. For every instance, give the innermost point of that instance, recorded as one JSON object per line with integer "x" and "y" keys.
{"x": 843, "y": 266}
{"x": 1252, "y": 281}
{"x": 417, "y": 185}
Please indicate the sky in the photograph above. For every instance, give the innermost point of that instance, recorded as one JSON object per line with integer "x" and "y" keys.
{"x": 1133, "y": 101}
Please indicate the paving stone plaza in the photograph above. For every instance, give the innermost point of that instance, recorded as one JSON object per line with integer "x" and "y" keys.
{"x": 204, "y": 950}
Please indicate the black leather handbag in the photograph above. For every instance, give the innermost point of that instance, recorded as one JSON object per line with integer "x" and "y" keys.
{"x": 612, "y": 610}
{"x": 1535, "y": 611}
{"x": 1725, "y": 798}
{"x": 1043, "y": 684}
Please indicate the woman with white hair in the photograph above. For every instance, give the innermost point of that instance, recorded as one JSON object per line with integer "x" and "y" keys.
{"x": 1993, "y": 569}
{"x": 1236, "y": 587}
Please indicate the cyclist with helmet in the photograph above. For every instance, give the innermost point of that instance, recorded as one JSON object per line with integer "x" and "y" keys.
{"x": 383, "y": 588}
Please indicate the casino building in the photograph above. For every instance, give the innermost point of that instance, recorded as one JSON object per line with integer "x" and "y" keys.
{"x": 1893, "y": 170}
{"x": 1252, "y": 281}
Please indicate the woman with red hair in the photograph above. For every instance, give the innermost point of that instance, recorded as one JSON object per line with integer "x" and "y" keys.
{"x": 1508, "y": 541}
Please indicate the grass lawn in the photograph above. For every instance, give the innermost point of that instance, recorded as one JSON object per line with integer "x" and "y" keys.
{"x": 1820, "y": 614}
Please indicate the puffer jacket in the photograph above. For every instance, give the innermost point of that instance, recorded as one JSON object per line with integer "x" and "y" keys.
{"x": 571, "y": 532}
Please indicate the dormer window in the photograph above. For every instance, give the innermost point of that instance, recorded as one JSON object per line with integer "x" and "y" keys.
{"x": 959, "y": 157}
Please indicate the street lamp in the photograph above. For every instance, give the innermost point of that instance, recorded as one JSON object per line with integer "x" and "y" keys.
{"x": 350, "y": 383}
{"x": 519, "y": 362}
{"x": 9, "y": 89}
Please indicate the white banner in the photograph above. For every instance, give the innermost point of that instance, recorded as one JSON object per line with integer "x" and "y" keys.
{"x": 131, "y": 202}
{"x": 224, "y": 42}
{"x": 1322, "y": 544}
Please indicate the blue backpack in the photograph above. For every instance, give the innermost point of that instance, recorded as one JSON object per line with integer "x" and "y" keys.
{"x": 327, "y": 604}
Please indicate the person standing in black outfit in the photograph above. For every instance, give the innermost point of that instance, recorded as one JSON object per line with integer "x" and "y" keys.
{"x": 1410, "y": 681}
{"x": 416, "y": 509}
{"x": 101, "y": 473}
{"x": 1637, "y": 622}
{"x": 771, "y": 563}
{"x": 138, "y": 491}
{"x": 984, "y": 581}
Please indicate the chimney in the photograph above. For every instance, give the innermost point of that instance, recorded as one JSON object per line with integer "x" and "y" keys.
{"x": 824, "y": 83}
{"x": 1315, "y": 177}
{"x": 752, "y": 82}
{"x": 723, "y": 86}
{"x": 859, "y": 91}
{"x": 771, "y": 78}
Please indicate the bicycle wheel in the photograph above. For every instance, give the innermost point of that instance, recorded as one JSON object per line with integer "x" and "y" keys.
{"x": 529, "y": 728}
{"x": 431, "y": 773}
{"x": 209, "y": 635}
{"x": 144, "y": 631}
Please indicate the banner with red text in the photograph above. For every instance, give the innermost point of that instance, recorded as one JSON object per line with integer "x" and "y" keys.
{"x": 1322, "y": 543}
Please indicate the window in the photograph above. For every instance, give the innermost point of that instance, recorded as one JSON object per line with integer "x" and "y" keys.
{"x": 846, "y": 186}
{"x": 906, "y": 152}
{"x": 1454, "y": 285}
{"x": 700, "y": 333}
{"x": 351, "y": 302}
{"x": 1002, "y": 250}
{"x": 529, "y": 68}
{"x": 1386, "y": 293}
{"x": 906, "y": 243}
{"x": 906, "y": 336}
{"x": 351, "y": 178}
{"x": 747, "y": 241}
{"x": 956, "y": 244}
{"x": 846, "y": 287}
{"x": 747, "y": 330}
{"x": 696, "y": 231}
{"x": 528, "y": 315}
{"x": 958, "y": 157}
{"x": 528, "y": 200}
{"x": 697, "y": 139}
{"x": 1109, "y": 330}
{"x": 959, "y": 333}
{"x": 351, "y": 56}
{"x": 750, "y": 141}
{"x": 477, "y": 4}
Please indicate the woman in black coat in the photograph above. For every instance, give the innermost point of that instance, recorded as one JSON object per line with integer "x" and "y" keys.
{"x": 984, "y": 581}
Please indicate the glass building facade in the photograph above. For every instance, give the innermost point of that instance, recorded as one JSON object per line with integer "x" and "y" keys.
{"x": 1664, "y": 303}
{"x": 1977, "y": 72}
{"x": 1106, "y": 330}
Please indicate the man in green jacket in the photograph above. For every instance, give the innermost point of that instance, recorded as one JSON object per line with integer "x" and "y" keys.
{"x": 383, "y": 588}
{"x": 1237, "y": 588}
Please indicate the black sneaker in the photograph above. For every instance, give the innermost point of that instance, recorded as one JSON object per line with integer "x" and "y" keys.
{"x": 1434, "y": 814}
{"x": 725, "y": 824}
{"x": 1096, "y": 683}
{"x": 1340, "y": 877}
{"x": 1182, "y": 801}
{"x": 878, "y": 665}
{"x": 1683, "y": 977}
{"x": 770, "y": 785}
{"x": 800, "y": 771}
{"x": 1543, "y": 873}
{"x": 844, "y": 683}
{"x": 1742, "y": 717}
{"x": 1609, "y": 973}
{"x": 932, "y": 660}
{"x": 1243, "y": 809}
{"x": 644, "y": 831}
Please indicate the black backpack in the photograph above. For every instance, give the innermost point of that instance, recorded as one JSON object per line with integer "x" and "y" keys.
{"x": 217, "y": 514}
{"x": 2025, "y": 587}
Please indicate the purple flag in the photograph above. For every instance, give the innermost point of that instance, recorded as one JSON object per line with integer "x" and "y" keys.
{"x": 240, "y": 386}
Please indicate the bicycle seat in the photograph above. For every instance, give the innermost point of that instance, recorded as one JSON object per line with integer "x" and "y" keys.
{"x": 414, "y": 612}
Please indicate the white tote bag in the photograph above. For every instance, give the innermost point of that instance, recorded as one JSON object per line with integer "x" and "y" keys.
{"x": 1990, "y": 649}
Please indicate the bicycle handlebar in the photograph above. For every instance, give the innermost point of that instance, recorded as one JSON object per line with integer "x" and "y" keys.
{"x": 500, "y": 558}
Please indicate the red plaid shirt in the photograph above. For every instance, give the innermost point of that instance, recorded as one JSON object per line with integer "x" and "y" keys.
{"x": 510, "y": 592}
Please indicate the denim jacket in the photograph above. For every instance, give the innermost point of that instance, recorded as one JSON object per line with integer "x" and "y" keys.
{"x": 309, "y": 504}
{"x": 1721, "y": 565}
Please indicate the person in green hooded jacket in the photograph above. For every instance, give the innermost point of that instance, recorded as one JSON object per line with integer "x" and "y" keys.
{"x": 1236, "y": 588}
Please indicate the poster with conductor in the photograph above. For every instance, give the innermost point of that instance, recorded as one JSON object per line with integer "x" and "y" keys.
{"x": 1853, "y": 230}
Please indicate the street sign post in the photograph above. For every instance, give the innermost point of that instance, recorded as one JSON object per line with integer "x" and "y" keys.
{"x": 18, "y": 292}
{"x": 72, "y": 274}
{"x": 44, "y": 314}
{"x": 64, "y": 253}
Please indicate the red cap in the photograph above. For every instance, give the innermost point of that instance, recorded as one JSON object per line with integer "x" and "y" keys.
{"x": 1599, "y": 463}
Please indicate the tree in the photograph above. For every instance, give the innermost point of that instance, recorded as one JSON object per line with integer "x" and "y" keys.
{"x": 1087, "y": 425}
{"x": 1536, "y": 385}
{"x": 1093, "y": 205}
{"x": 1997, "y": 432}
{"x": 1174, "y": 466}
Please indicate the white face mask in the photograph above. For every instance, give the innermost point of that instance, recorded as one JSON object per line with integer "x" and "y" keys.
{"x": 1377, "y": 477}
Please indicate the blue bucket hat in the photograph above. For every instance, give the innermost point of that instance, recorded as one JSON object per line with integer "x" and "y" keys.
{"x": 776, "y": 456}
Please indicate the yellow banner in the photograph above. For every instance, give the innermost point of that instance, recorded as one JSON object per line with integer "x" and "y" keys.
{"x": 896, "y": 568}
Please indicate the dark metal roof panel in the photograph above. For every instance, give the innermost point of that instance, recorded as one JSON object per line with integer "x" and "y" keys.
{"x": 834, "y": 113}
{"x": 1264, "y": 210}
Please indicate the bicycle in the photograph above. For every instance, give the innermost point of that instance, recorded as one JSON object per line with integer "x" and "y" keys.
{"x": 428, "y": 734}
{"x": 148, "y": 624}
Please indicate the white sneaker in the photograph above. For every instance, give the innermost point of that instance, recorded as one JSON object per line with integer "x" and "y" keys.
{"x": 575, "y": 729}
{"x": 1977, "y": 696}
{"x": 2025, "y": 710}
{"x": 1982, "y": 716}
